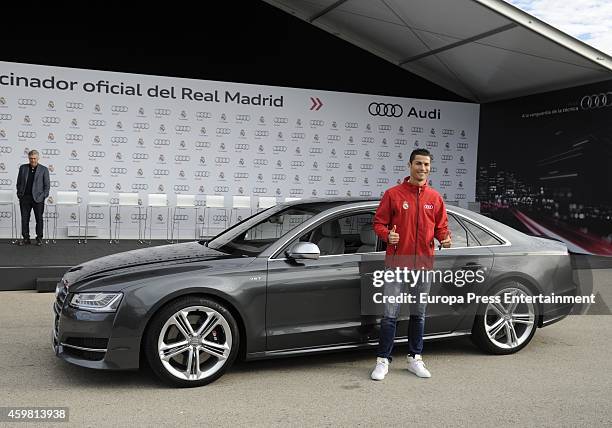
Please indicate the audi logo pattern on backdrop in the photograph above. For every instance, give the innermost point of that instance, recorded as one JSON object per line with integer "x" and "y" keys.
{"x": 358, "y": 147}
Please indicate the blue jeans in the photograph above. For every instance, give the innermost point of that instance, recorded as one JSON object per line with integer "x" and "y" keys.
{"x": 416, "y": 323}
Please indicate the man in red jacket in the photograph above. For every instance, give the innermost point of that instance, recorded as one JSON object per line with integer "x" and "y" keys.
{"x": 408, "y": 218}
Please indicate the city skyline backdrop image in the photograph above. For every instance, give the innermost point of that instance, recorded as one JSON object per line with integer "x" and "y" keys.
{"x": 545, "y": 166}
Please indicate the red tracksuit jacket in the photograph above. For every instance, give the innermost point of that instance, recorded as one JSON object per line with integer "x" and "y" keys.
{"x": 420, "y": 215}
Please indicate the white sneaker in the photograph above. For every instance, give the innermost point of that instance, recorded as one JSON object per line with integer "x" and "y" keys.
{"x": 417, "y": 366}
{"x": 381, "y": 369}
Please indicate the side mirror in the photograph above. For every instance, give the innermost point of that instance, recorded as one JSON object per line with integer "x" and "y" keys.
{"x": 304, "y": 250}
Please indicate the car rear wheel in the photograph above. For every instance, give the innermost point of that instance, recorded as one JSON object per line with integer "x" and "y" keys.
{"x": 191, "y": 342}
{"x": 504, "y": 328}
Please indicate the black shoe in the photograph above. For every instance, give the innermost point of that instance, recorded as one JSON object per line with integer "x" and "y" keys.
{"x": 38, "y": 242}
{"x": 25, "y": 242}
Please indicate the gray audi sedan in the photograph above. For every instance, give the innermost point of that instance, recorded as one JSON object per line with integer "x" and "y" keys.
{"x": 290, "y": 281}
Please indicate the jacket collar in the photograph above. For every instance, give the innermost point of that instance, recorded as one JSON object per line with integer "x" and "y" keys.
{"x": 413, "y": 187}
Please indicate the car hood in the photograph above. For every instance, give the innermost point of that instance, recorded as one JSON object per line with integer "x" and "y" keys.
{"x": 146, "y": 258}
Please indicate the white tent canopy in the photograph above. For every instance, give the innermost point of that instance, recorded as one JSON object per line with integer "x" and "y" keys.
{"x": 483, "y": 50}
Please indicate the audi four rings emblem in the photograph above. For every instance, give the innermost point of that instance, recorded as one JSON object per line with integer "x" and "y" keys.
{"x": 97, "y": 122}
{"x": 280, "y": 120}
{"x": 333, "y": 165}
{"x": 5, "y": 182}
{"x": 243, "y": 117}
{"x": 74, "y": 137}
{"x": 260, "y": 190}
{"x": 26, "y": 134}
{"x": 96, "y": 185}
{"x": 119, "y": 109}
{"x": 162, "y": 112}
{"x": 119, "y": 140}
{"x": 367, "y": 140}
{"x": 181, "y": 188}
{"x": 261, "y": 133}
{"x": 199, "y": 144}
{"x": 317, "y": 123}
{"x": 161, "y": 142}
{"x": 202, "y": 174}
{"x": 6, "y": 149}
{"x": 74, "y": 168}
{"x": 74, "y": 106}
{"x": 140, "y": 156}
{"x": 241, "y": 147}
{"x": 366, "y": 166}
{"x": 279, "y": 177}
{"x": 158, "y": 172}
{"x": 6, "y": 214}
{"x": 54, "y": 183}
{"x": 95, "y": 216}
{"x": 351, "y": 125}
{"x": 221, "y": 189}
{"x": 50, "y": 152}
{"x": 594, "y": 101}
{"x": 278, "y": 149}
{"x": 46, "y": 119}
{"x": 141, "y": 125}
{"x": 222, "y": 160}
{"x": 260, "y": 162}
{"x": 223, "y": 131}
{"x": 182, "y": 158}
{"x": 315, "y": 150}
{"x": 350, "y": 152}
{"x": 182, "y": 128}
{"x": 388, "y": 110}
{"x": 297, "y": 164}
{"x": 298, "y": 135}
{"x": 239, "y": 175}
{"x": 116, "y": 170}
{"x": 203, "y": 115}
{"x": 26, "y": 102}
{"x": 140, "y": 186}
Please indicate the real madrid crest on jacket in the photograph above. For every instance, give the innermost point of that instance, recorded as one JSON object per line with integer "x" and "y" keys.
{"x": 418, "y": 213}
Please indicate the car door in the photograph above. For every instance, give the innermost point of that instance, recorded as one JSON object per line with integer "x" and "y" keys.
{"x": 314, "y": 303}
{"x": 466, "y": 253}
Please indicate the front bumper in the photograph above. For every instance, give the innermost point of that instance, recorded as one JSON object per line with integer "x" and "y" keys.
{"x": 86, "y": 338}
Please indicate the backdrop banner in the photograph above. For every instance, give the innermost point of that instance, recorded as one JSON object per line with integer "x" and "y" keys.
{"x": 115, "y": 132}
{"x": 544, "y": 165}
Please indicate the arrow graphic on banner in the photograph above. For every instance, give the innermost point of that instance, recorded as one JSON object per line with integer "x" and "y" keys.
{"x": 316, "y": 104}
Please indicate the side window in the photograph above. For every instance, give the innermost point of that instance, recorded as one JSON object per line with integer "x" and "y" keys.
{"x": 344, "y": 235}
{"x": 459, "y": 235}
{"x": 483, "y": 237}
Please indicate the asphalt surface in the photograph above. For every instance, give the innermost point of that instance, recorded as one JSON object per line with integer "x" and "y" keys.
{"x": 563, "y": 378}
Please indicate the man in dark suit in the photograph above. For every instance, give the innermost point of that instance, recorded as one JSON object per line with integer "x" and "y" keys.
{"x": 33, "y": 186}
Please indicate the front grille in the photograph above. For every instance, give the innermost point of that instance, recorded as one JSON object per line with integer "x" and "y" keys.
{"x": 58, "y": 306}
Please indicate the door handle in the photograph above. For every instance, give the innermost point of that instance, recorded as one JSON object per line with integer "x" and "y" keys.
{"x": 471, "y": 266}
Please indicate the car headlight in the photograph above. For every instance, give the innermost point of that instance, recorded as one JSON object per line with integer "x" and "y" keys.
{"x": 96, "y": 302}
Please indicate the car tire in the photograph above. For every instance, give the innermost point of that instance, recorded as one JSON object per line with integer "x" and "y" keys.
{"x": 191, "y": 341}
{"x": 503, "y": 329}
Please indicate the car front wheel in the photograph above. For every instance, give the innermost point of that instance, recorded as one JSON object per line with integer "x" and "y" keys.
{"x": 191, "y": 342}
{"x": 505, "y": 328}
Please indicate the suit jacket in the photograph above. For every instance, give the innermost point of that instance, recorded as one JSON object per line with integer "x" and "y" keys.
{"x": 40, "y": 186}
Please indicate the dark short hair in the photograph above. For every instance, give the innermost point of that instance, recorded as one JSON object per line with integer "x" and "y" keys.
{"x": 421, "y": 152}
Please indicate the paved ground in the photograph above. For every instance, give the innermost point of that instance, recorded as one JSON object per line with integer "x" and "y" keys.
{"x": 561, "y": 379}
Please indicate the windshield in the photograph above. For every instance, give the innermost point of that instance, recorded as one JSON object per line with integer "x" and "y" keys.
{"x": 253, "y": 235}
